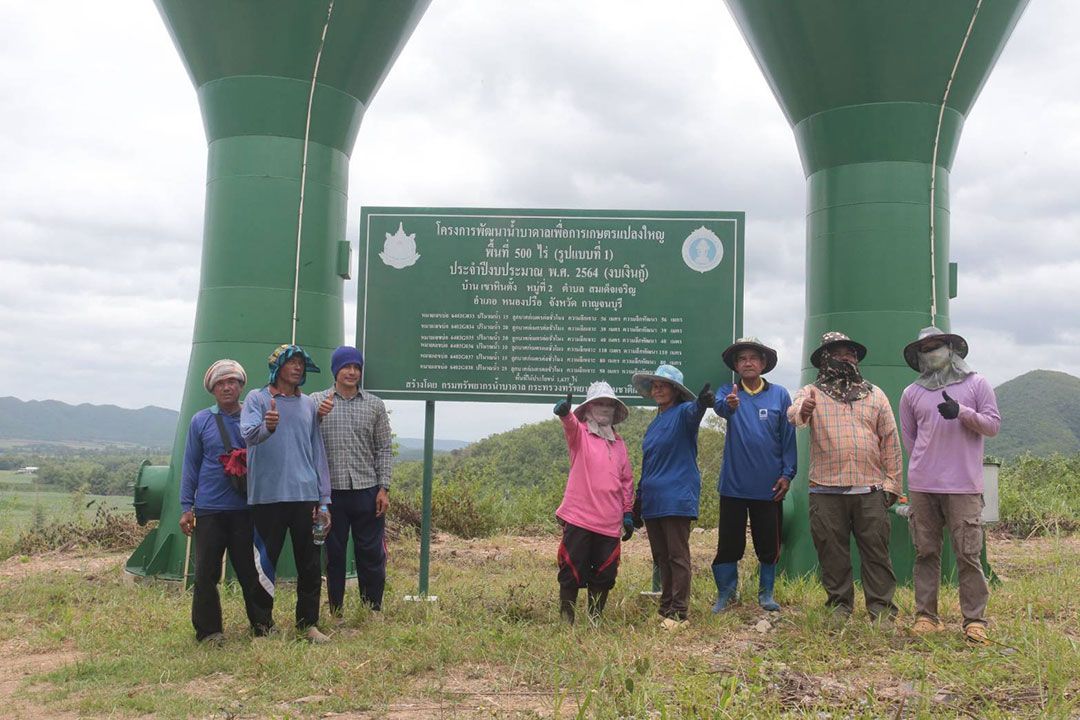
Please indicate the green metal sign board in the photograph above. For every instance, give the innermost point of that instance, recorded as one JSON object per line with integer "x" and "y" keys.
{"x": 506, "y": 305}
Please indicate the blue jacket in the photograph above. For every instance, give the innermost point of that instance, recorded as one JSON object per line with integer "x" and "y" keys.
{"x": 670, "y": 481}
{"x": 759, "y": 446}
{"x": 203, "y": 484}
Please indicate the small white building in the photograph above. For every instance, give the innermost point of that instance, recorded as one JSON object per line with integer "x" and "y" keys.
{"x": 28, "y": 470}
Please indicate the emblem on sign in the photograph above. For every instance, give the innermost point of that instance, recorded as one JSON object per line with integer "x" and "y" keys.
{"x": 702, "y": 250}
{"x": 399, "y": 250}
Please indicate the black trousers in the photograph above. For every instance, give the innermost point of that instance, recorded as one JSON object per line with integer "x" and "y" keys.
{"x": 766, "y": 518}
{"x": 271, "y": 523}
{"x": 216, "y": 533}
{"x": 353, "y": 511}
{"x": 588, "y": 559}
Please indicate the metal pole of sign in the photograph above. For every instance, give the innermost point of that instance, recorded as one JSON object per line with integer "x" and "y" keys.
{"x": 425, "y": 505}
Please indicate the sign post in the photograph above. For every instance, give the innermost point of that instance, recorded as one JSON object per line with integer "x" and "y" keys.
{"x": 505, "y": 305}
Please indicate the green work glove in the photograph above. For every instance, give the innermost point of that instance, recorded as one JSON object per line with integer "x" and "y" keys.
{"x": 562, "y": 408}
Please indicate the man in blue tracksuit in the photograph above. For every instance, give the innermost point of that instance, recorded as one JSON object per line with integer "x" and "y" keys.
{"x": 759, "y": 464}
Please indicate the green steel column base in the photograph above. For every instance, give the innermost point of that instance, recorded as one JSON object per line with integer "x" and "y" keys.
{"x": 164, "y": 560}
{"x": 253, "y": 72}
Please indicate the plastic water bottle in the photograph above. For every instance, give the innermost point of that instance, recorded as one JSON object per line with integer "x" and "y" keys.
{"x": 903, "y": 510}
{"x": 319, "y": 529}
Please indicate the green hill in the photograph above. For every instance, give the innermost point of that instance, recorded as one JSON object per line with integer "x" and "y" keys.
{"x": 1040, "y": 414}
{"x": 54, "y": 421}
{"x": 516, "y": 478}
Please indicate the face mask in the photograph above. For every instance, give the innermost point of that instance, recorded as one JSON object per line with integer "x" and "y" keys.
{"x": 602, "y": 415}
{"x": 936, "y": 359}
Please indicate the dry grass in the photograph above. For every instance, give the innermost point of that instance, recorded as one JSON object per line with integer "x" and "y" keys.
{"x": 78, "y": 638}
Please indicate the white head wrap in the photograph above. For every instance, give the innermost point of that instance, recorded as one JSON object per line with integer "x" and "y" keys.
{"x": 222, "y": 370}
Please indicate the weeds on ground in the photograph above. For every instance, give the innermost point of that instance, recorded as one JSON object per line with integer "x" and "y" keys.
{"x": 493, "y": 646}
{"x": 107, "y": 529}
{"x": 1038, "y": 495}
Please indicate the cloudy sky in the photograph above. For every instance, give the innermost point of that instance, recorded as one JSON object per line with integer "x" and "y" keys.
{"x": 547, "y": 103}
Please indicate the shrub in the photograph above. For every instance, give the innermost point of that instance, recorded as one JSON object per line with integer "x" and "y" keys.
{"x": 108, "y": 530}
{"x": 1038, "y": 495}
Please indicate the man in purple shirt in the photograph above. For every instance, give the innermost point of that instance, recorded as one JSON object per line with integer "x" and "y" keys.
{"x": 944, "y": 416}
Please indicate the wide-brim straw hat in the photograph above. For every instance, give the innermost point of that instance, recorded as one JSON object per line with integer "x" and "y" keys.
{"x": 836, "y": 338}
{"x": 600, "y": 390}
{"x": 750, "y": 343}
{"x": 911, "y": 351}
{"x": 667, "y": 373}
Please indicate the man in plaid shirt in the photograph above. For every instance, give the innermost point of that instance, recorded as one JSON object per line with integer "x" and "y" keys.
{"x": 356, "y": 432}
{"x": 855, "y": 475}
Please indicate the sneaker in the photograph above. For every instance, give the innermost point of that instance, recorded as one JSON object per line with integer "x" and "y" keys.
{"x": 975, "y": 633}
{"x": 314, "y": 636}
{"x": 214, "y": 640}
{"x": 672, "y": 625}
{"x": 925, "y": 626}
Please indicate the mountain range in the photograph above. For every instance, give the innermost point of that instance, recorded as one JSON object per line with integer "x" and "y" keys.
{"x": 51, "y": 421}
{"x": 1040, "y": 414}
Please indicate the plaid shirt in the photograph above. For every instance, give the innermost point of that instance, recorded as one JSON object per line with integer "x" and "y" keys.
{"x": 851, "y": 444}
{"x": 357, "y": 438}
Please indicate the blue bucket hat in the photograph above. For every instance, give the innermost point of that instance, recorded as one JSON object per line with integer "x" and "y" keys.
{"x": 345, "y": 355}
{"x": 282, "y": 354}
{"x": 669, "y": 374}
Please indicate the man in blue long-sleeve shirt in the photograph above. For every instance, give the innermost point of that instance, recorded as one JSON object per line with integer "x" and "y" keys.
{"x": 759, "y": 463}
{"x": 288, "y": 477}
{"x": 224, "y": 518}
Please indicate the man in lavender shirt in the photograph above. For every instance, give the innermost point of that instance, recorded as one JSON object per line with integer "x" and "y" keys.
{"x": 944, "y": 416}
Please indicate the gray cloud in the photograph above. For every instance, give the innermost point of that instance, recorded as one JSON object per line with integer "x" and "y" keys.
{"x": 534, "y": 104}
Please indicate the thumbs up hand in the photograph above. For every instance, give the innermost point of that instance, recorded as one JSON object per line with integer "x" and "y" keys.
{"x": 562, "y": 408}
{"x": 732, "y": 398}
{"x": 326, "y": 406}
{"x": 706, "y": 398}
{"x": 808, "y": 404}
{"x": 950, "y": 409}
{"x": 270, "y": 419}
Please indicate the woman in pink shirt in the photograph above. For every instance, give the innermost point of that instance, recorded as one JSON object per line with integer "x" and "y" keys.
{"x": 595, "y": 511}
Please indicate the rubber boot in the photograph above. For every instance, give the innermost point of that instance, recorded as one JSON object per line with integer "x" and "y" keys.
{"x": 567, "y": 599}
{"x": 727, "y": 582}
{"x": 596, "y": 601}
{"x": 766, "y": 581}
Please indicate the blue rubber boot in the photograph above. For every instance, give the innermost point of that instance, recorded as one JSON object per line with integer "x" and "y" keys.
{"x": 727, "y": 582}
{"x": 766, "y": 581}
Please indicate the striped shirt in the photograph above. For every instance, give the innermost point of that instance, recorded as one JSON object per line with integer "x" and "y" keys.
{"x": 357, "y": 438}
{"x": 851, "y": 444}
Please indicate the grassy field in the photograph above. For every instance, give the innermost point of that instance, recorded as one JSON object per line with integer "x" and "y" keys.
{"x": 20, "y": 498}
{"x": 78, "y": 639}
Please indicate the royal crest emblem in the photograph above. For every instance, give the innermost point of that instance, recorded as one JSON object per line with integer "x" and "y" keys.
{"x": 399, "y": 250}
